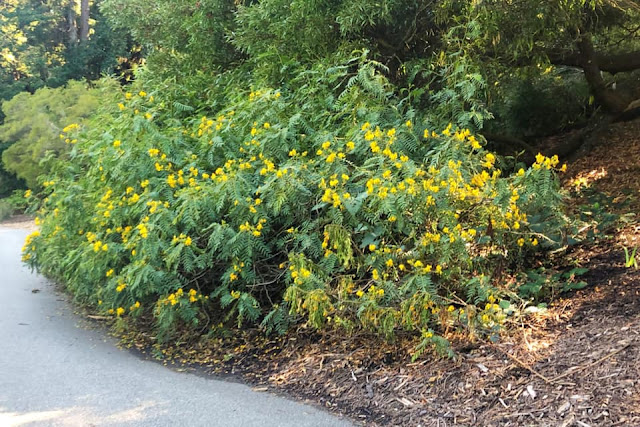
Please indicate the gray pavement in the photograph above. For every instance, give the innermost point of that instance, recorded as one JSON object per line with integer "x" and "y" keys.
{"x": 56, "y": 371}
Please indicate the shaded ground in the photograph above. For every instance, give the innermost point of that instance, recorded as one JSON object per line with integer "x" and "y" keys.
{"x": 575, "y": 364}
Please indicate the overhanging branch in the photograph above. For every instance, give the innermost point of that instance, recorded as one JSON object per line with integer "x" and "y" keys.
{"x": 611, "y": 63}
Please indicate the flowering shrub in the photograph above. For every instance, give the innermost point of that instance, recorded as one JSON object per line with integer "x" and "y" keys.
{"x": 249, "y": 217}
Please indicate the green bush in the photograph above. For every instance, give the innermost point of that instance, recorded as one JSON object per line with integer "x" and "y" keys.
{"x": 290, "y": 207}
{"x": 9, "y": 182}
{"x": 541, "y": 105}
{"x": 34, "y": 123}
{"x": 6, "y": 209}
{"x": 17, "y": 202}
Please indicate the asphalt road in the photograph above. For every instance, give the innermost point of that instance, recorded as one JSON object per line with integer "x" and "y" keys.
{"x": 56, "y": 370}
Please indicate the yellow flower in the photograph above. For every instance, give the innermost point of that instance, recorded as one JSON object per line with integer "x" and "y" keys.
{"x": 360, "y": 293}
{"x": 142, "y": 93}
{"x": 490, "y": 160}
{"x": 153, "y": 152}
{"x": 119, "y": 311}
{"x": 372, "y": 247}
{"x": 187, "y": 241}
{"x": 121, "y": 287}
{"x": 266, "y": 125}
{"x": 27, "y": 194}
{"x": 351, "y": 145}
{"x": 109, "y": 273}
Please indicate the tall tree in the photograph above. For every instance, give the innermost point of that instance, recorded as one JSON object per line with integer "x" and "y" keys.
{"x": 84, "y": 20}
{"x": 71, "y": 22}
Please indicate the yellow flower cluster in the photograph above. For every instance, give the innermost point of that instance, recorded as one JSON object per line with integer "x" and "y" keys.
{"x": 179, "y": 296}
{"x": 299, "y": 275}
{"x": 254, "y": 230}
{"x": 548, "y": 163}
{"x": 182, "y": 238}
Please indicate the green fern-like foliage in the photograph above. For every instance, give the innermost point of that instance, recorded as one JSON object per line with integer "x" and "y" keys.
{"x": 271, "y": 213}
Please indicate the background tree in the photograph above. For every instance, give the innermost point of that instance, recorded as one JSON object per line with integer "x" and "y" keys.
{"x": 35, "y": 122}
{"x": 41, "y": 45}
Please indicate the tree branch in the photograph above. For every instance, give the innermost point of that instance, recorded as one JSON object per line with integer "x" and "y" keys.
{"x": 616, "y": 63}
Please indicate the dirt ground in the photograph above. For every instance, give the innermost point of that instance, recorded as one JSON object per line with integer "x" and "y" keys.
{"x": 19, "y": 221}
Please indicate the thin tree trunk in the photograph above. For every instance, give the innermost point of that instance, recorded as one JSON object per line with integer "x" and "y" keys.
{"x": 71, "y": 21}
{"x": 84, "y": 20}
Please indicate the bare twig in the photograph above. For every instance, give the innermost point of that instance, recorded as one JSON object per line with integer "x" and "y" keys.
{"x": 602, "y": 359}
{"x": 524, "y": 365}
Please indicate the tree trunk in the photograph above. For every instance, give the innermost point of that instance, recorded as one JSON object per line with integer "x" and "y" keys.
{"x": 71, "y": 21}
{"x": 84, "y": 20}
{"x": 609, "y": 99}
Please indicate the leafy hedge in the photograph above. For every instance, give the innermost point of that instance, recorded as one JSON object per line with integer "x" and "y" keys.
{"x": 274, "y": 212}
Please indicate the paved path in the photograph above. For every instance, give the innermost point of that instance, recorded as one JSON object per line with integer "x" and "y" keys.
{"x": 57, "y": 371}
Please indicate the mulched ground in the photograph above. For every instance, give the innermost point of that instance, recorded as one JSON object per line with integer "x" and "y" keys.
{"x": 576, "y": 364}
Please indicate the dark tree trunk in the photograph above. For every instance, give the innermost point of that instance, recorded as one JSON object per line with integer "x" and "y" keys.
{"x": 84, "y": 20}
{"x": 612, "y": 101}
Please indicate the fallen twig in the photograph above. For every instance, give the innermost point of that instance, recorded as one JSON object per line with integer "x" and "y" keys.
{"x": 602, "y": 359}
{"x": 524, "y": 365}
